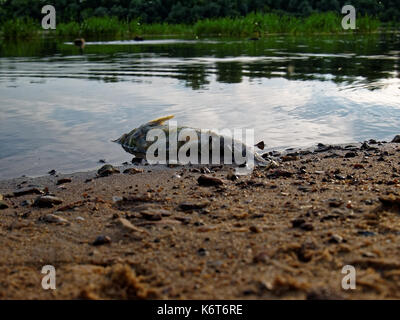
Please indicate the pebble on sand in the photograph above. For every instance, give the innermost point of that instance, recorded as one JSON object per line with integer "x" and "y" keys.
{"x": 396, "y": 139}
{"x": 107, "y": 170}
{"x": 52, "y": 218}
{"x": 3, "y": 205}
{"x": 64, "y": 180}
{"x": 132, "y": 171}
{"x": 209, "y": 181}
{"x": 47, "y": 202}
{"x": 26, "y": 191}
{"x": 126, "y": 226}
{"x": 100, "y": 240}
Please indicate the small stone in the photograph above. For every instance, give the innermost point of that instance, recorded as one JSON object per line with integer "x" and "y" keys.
{"x": 390, "y": 201}
{"x": 151, "y": 215}
{"x": 101, "y": 240}
{"x": 137, "y": 161}
{"x": 334, "y": 203}
{"x": 336, "y": 239}
{"x": 52, "y": 172}
{"x": 307, "y": 227}
{"x": 47, "y": 202}
{"x": 369, "y": 255}
{"x": 27, "y": 203}
{"x": 202, "y": 252}
{"x": 107, "y": 170}
{"x": 209, "y": 181}
{"x": 132, "y": 171}
{"x": 205, "y": 170}
{"x": 188, "y": 206}
{"x": 280, "y": 173}
{"x": 260, "y": 145}
{"x": 232, "y": 177}
{"x": 296, "y": 223}
{"x": 350, "y": 154}
{"x": 116, "y": 199}
{"x": 126, "y": 226}
{"x": 80, "y": 218}
{"x": 261, "y": 257}
{"x": 3, "y": 205}
{"x": 64, "y": 180}
{"x": 396, "y": 139}
{"x": 366, "y": 233}
{"x": 288, "y": 158}
{"x": 255, "y": 229}
{"x": 52, "y": 218}
{"x": 1, "y": 197}
{"x": 102, "y": 161}
{"x": 26, "y": 191}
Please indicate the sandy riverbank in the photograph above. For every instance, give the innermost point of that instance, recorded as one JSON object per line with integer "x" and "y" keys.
{"x": 157, "y": 233}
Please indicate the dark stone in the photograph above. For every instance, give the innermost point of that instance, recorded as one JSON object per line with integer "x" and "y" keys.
{"x": 137, "y": 160}
{"x": 366, "y": 233}
{"x": 280, "y": 173}
{"x": 64, "y": 180}
{"x": 396, "y": 139}
{"x": 202, "y": 252}
{"x": 107, "y": 170}
{"x": 3, "y": 205}
{"x": 188, "y": 206}
{"x": 350, "y": 154}
{"x": 101, "y": 240}
{"x": 209, "y": 181}
{"x": 296, "y": 223}
{"x": 47, "y": 202}
{"x": 26, "y": 191}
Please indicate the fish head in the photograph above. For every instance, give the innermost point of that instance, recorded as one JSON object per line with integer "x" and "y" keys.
{"x": 135, "y": 141}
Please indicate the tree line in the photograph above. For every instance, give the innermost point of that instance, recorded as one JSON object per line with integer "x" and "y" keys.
{"x": 189, "y": 11}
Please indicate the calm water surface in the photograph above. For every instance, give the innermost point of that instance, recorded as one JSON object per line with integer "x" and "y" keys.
{"x": 60, "y": 108}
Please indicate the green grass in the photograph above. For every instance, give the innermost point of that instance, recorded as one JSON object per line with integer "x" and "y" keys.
{"x": 252, "y": 25}
{"x": 262, "y": 24}
{"x": 19, "y": 28}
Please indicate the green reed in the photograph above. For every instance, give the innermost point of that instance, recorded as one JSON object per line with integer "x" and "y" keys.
{"x": 252, "y": 25}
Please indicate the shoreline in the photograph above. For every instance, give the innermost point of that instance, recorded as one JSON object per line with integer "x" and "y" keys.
{"x": 90, "y": 173}
{"x": 163, "y": 233}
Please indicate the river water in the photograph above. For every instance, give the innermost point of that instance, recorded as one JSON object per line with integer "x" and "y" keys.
{"x": 60, "y": 108}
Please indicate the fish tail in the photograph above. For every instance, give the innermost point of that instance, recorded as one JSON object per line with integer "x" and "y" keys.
{"x": 161, "y": 120}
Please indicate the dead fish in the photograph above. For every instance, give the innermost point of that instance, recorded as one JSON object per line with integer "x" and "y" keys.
{"x": 135, "y": 142}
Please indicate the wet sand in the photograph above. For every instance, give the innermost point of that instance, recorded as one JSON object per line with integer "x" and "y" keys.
{"x": 156, "y": 233}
